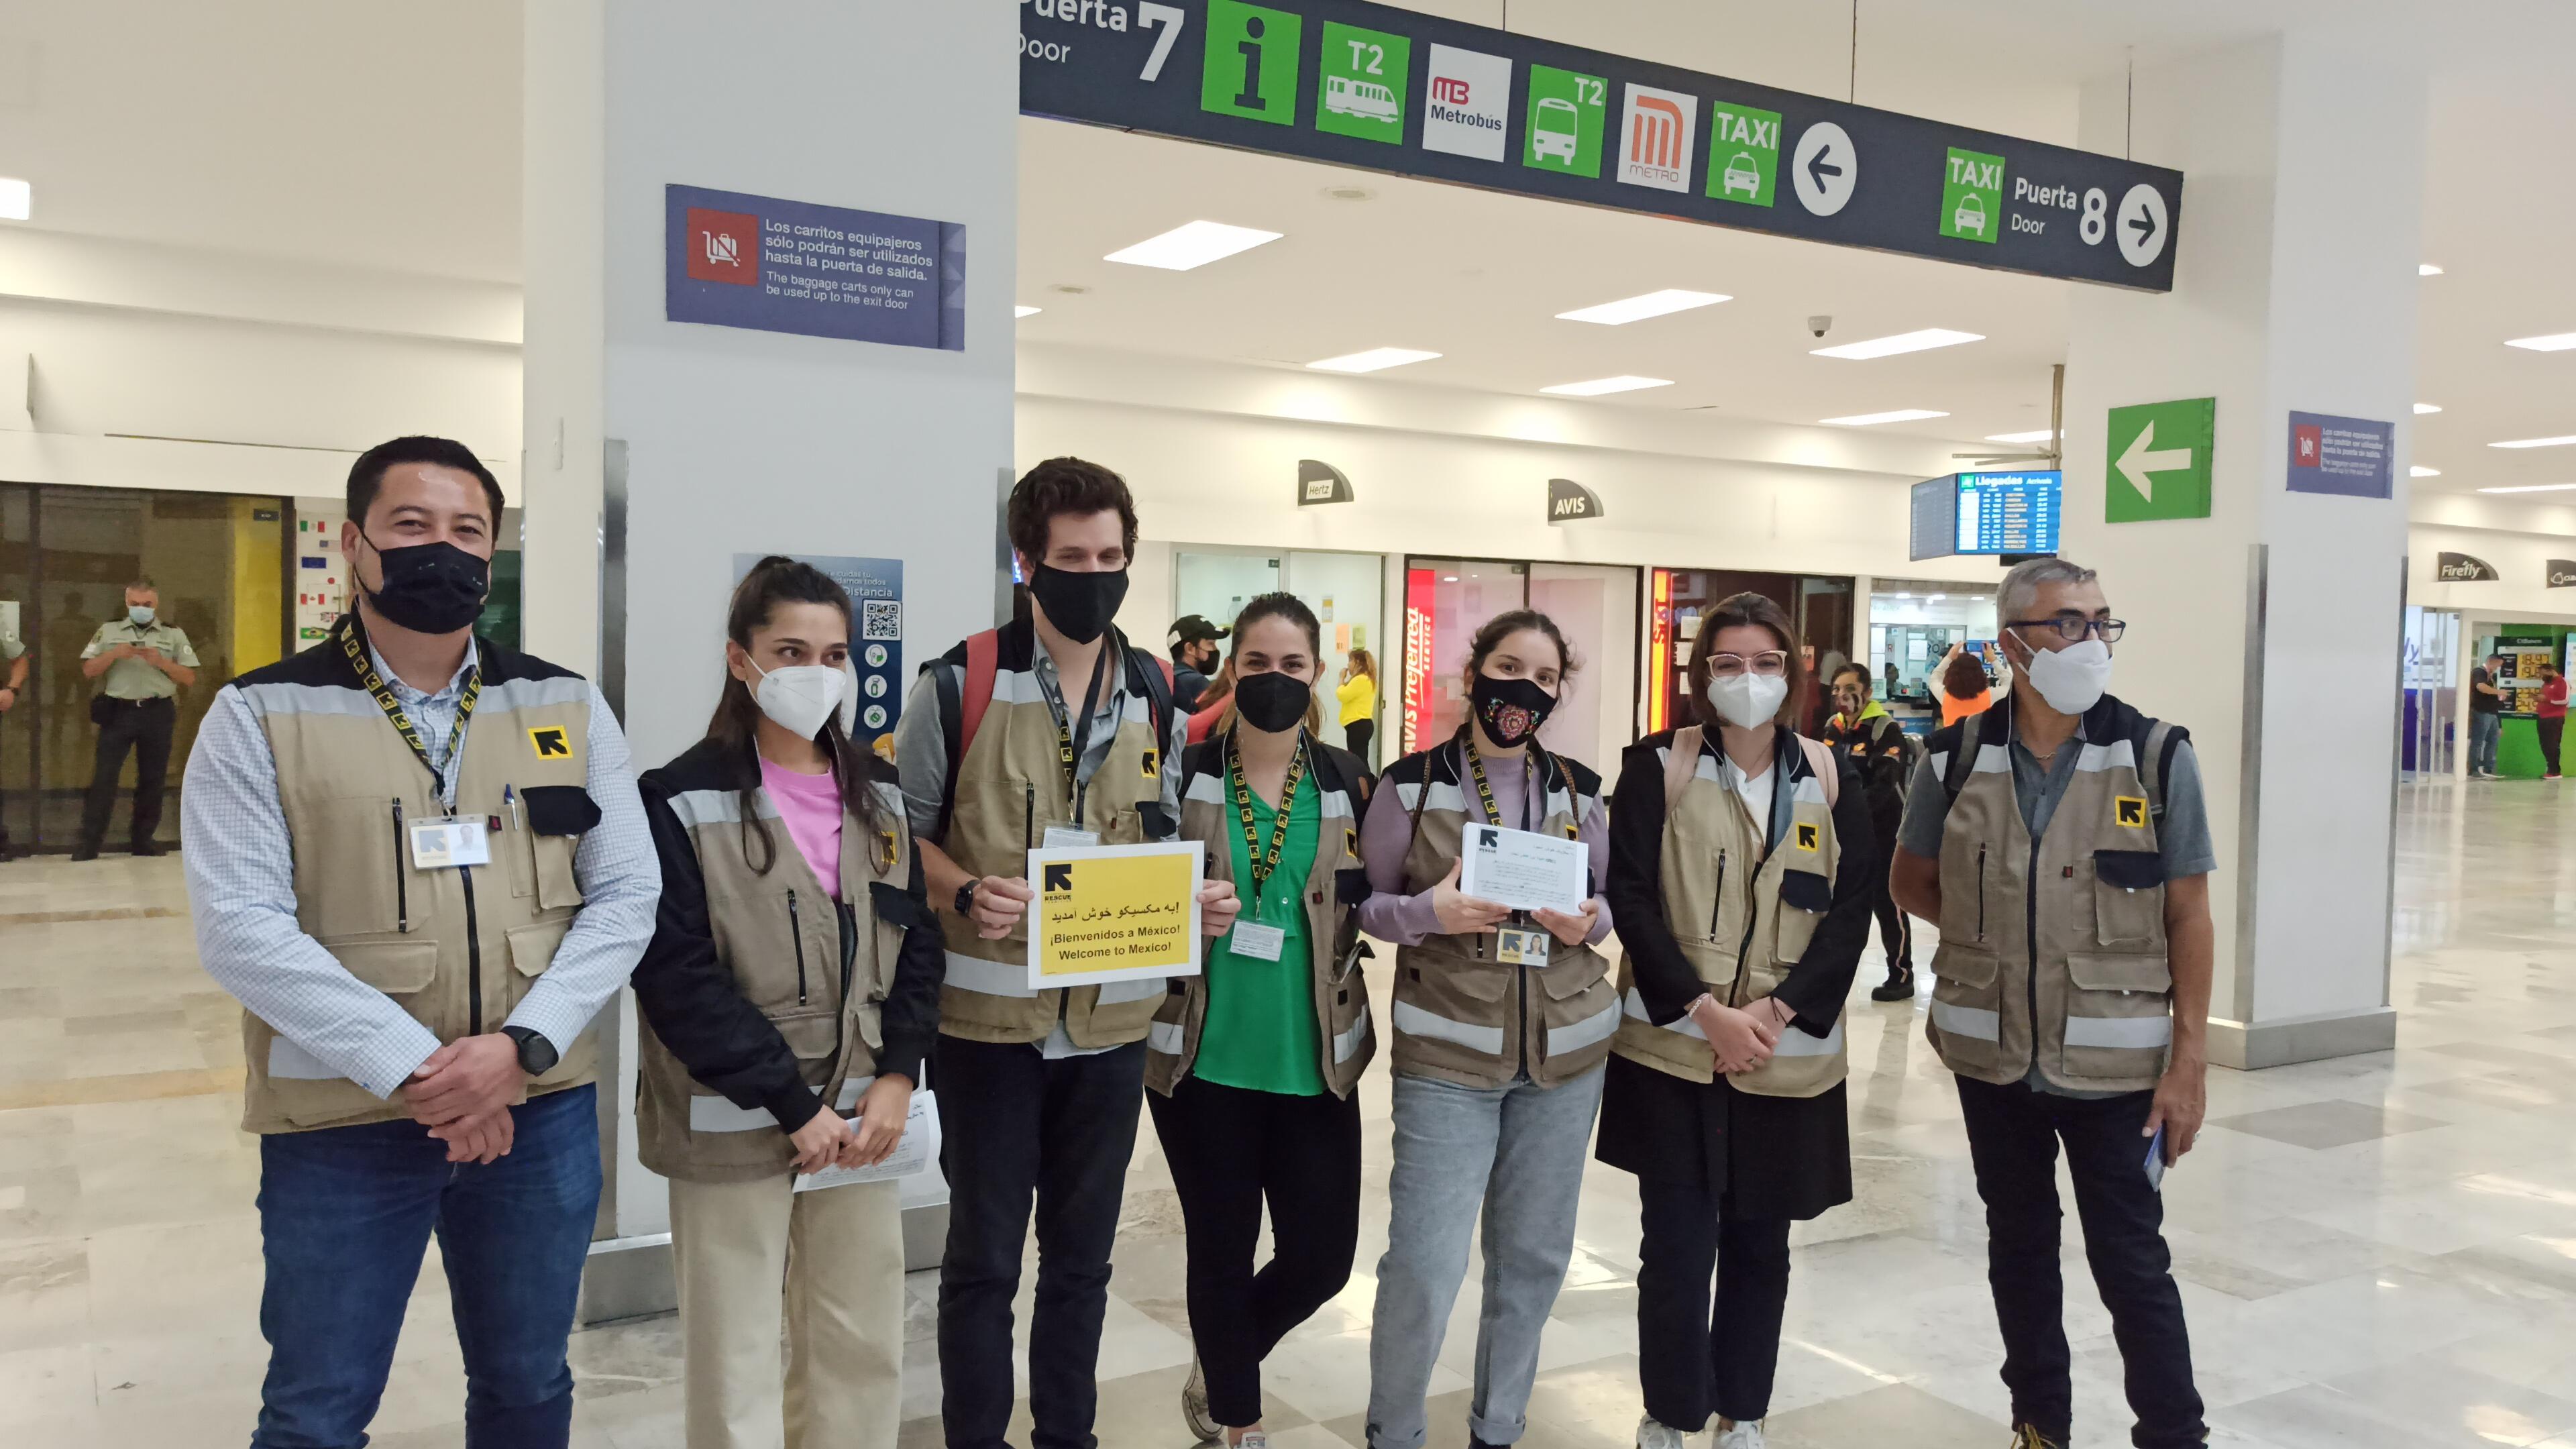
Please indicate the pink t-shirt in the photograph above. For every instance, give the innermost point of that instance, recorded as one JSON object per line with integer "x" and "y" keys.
{"x": 812, "y": 807}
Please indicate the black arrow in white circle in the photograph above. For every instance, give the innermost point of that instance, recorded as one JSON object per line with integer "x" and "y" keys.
{"x": 1820, "y": 167}
{"x": 1825, "y": 168}
{"x": 2144, "y": 224}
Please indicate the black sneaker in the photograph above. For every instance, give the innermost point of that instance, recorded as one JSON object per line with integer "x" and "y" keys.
{"x": 86, "y": 852}
{"x": 1899, "y": 987}
{"x": 150, "y": 847}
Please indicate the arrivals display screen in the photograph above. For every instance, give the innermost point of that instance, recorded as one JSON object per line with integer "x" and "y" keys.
{"x": 1934, "y": 531}
{"x": 2007, "y": 512}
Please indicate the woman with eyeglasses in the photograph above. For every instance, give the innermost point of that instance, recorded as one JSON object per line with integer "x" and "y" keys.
{"x": 1501, "y": 1022}
{"x": 1741, "y": 857}
{"x": 1255, "y": 1063}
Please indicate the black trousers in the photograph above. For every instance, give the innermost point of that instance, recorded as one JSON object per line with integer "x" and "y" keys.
{"x": 2013, "y": 1136}
{"x": 144, "y": 726}
{"x": 1694, "y": 1359}
{"x": 1358, "y": 733}
{"x": 1020, "y": 1128}
{"x": 1230, "y": 1150}
{"x": 2551, "y": 731}
{"x": 1895, "y": 930}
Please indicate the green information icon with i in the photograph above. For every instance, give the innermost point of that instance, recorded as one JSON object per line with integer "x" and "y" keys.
{"x": 1566, "y": 111}
{"x": 1361, "y": 81}
{"x": 1250, "y": 68}
{"x": 1972, "y": 196}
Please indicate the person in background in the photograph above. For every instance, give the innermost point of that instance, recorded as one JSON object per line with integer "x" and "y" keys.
{"x": 1502, "y": 1021}
{"x": 2551, "y": 716}
{"x": 788, "y": 997}
{"x": 2486, "y": 717}
{"x": 2062, "y": 843}
{"x": 1193, "y": 645}
{"x": 1213, "y": 703}
{"x": 1894, "y": 680}
{"x": 418, "y": 861}
{"x": 1254, "y": 1065}
{"x": 1050, "y": 731}
{"x": 1357, "y": 695}
{"x": 1865, "y": 736}
{"x": 144, "y": 661}
{"x": 1741, "y": 868}
{"x": 13, "y": 653}
{"x": 1965, "y": 690}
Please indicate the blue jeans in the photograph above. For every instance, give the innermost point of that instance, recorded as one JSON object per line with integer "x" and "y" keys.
{"x": 2484, "y": 731}
{"x": 345, "y": 1216}
{"x": 1515, "y": 1155}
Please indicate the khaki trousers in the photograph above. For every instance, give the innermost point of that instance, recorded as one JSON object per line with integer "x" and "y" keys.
{"x": 830, "y": 1262}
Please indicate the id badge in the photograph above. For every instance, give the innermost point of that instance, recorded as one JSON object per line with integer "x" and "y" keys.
{"x": 1518, "y": 946}
{"x": 1059, "y": 837}
{"x": 450, "y": 841}
{"x": 1261, "y": 943}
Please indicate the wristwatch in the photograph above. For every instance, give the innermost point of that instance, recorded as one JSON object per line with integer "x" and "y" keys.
{"x": 966, "y": 898}
{"x": 537, "y": 1056}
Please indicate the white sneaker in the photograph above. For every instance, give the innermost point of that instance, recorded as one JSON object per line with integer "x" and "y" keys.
{"x": 1194, "y": 1407}
{"x": 1742, "y": 1436}
{"x": 1253, "y": 1439}
{"x": 1654, "y": 1435}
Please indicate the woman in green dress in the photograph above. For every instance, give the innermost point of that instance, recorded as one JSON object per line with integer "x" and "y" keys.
{"x": 1252, "y": 1063}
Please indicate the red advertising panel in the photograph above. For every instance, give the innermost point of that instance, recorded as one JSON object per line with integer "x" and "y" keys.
{"x": 1417, "y": 656}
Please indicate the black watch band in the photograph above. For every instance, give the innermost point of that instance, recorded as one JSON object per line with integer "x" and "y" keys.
{"x": 966, "y": 898}
{"x": 537, "y": 1056}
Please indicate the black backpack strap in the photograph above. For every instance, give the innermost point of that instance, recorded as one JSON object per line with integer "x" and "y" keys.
{"x": 1963, "y": 758}
{"x": 2155, "y": 761}
{"x": 952, "y": 725}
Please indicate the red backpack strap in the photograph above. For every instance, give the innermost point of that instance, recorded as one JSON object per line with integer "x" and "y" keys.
{"x": 983, "y": 661}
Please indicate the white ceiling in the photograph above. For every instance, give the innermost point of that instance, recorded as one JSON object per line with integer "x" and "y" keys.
{"x": 386, "y": 136}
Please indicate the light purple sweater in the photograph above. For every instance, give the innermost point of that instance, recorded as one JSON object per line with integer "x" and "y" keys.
{"x": 1391, "y": 915}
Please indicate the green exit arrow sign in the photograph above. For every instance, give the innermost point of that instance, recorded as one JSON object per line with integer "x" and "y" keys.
{"x": 2159, "y": 461}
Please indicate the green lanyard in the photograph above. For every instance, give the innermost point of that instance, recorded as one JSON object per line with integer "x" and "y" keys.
{"x": 1263, "y": 863}
{"x": 1529, "y": 808}
{"x": 353, "y": 641}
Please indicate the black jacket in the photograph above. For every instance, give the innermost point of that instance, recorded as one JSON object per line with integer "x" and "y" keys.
{"x": 689, "y": 996}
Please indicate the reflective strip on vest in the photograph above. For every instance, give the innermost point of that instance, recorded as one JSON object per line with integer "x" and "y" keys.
{"x": 697, "y": 809}
{"x": 715, "y": 1114}
{"x": 2117, "y": 755}
{"x": 2119, "y": 1031}
{"x": 1795, "y": 1042}
{"x": 1347, "y": 1045}
{"x": 1575, "y": 1037}
{"x": 1114, "y": 992}
{"x": 1166, "y": 1037}
{"x": 1444, "y": 796}
{"x": 1965, "y": 1021}
{"x": 289, "y": 1062}
{"x": 992, "y": 978}
{"x": 1412, "y": 1020}
{"x": 1679, "y": 1026}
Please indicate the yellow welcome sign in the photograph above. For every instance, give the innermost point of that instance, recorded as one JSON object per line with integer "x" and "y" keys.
{"x": 1114, "y": 913}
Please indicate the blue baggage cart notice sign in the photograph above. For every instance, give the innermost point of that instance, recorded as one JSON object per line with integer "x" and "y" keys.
{"x": 737, "y": 260}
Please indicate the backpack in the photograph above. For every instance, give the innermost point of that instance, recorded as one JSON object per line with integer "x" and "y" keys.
{"x": 2155, "y": 745}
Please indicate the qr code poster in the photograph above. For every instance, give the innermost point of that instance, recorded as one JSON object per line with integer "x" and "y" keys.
{"x": 875, "y": 587}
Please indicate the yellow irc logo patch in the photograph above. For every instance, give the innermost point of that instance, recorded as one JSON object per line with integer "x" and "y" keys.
{"x": 2130, "y": 810}
{"x": 1153, "y": 764}
{"x": 551, "y": 742}
{"x": 1808, "y": 837}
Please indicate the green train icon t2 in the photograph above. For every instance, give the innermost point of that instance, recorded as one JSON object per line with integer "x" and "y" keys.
{"x": 1250, "y": 49}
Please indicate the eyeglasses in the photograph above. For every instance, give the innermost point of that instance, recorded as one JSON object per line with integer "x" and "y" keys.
{"x": 1770, "y": 664}
{"x": 2074, "y": 630}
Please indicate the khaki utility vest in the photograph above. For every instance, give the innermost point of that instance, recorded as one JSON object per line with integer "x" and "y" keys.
{"x": 1010, "y": 787}
{"x": 1336, "y": 881}
{"x": 1460, "y": 1015}
{"x": 1741, "y": 908}
{"x": 2054, "y": 954}
{"x": 455, "y": 948}
{"x": 821, "y": 982}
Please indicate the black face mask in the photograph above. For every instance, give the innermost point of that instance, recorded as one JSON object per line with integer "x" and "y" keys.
{"x": 1273, "y": 703}
{"x": 430, "y": 588}
{"x": 1080, "y": 606}
{"x": 1511, "y": 710}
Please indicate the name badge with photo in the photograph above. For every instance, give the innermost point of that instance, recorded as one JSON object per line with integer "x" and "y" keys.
{"x": 448, "y": 842}
{"x": 1518, "y": 946}
{"x": 1257, "y": 941}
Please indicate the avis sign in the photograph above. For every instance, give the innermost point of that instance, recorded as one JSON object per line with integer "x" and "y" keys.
{"x": 2158, "y": 461}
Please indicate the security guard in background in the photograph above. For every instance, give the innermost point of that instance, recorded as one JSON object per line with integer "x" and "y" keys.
{"x": 144, "y": 660}
{"x": 2060, "y": 841}
{"x": 13, "y": 653}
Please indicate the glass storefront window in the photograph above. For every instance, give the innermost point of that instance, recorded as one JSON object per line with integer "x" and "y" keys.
{"x": 1914, "y": 623}
{"x": 1344, "y": 589}
{"x": 1448, "y": 600}
{"x": 1819, "y": 609}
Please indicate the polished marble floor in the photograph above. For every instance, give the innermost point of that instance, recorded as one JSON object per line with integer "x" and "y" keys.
{"x": 2373, "y": 1251}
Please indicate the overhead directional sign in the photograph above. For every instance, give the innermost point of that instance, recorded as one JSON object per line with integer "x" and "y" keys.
{"x": 2159, "y": 461}
{"x": 1387, "y": 89}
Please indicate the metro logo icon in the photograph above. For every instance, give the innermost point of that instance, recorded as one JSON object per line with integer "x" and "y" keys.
{"x": 1470, "y": 95}
{"x": 1657, "y": 138}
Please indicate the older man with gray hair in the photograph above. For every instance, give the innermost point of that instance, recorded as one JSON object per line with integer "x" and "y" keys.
{"x": 2060, "y": 842}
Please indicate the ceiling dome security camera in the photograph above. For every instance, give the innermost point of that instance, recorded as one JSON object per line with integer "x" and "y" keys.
{"x": 1820, "y": 324}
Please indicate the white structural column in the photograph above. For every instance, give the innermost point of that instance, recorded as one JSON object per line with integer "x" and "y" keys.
{"x": 2270, "y": 628}
{"x": 664, "y": 449}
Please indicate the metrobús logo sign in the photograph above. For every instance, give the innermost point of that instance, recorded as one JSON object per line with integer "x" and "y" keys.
{"x": 1657, "y": 137}
{"x": 1469, "y": 92}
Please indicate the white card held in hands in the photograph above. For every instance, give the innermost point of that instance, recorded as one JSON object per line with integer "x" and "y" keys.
{"x": 1523, "y": 869}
